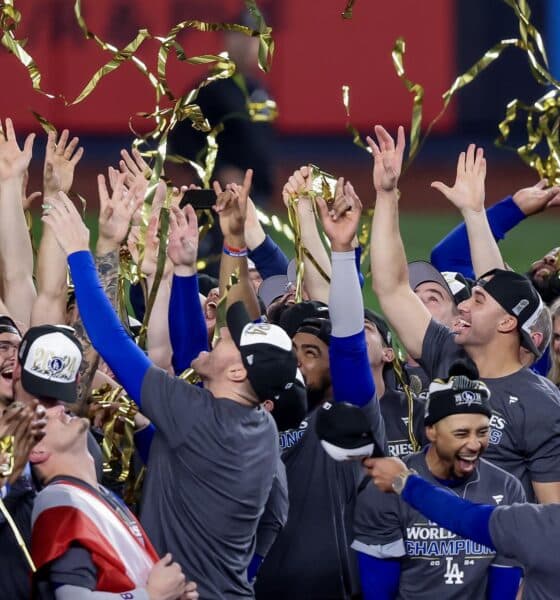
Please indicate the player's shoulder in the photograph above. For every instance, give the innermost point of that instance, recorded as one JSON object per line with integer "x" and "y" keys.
{"x": 491, "y": 474}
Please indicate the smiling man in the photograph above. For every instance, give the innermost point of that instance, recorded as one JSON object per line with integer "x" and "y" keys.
{"x": 401, "y": 553}
{"x": 10, "y": 338}
{"x": 495, "y": 322}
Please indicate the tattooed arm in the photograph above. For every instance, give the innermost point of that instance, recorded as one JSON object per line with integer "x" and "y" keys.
{"x": 108, "y": 268}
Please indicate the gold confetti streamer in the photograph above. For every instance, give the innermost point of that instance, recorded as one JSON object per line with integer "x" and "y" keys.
{"x": 7, "y": 454}
{"x": 19, "y": 538}
{"x": 356, "y": 137}
{"x": 347, "y": 13}
{"x": 118, "y": 430}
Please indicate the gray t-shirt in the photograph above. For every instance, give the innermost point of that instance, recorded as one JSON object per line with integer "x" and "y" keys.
{"x": 311, "y": 559}
{"x": 438, "y": 563}
{"x": 530, "y": 534}
{"x": 395, "y": 413}
{"x": 525, "y": 423}
{"x": 211, "y": 467}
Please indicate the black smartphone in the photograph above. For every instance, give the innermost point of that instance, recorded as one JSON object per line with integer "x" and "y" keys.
{"x": 199, "y": 199}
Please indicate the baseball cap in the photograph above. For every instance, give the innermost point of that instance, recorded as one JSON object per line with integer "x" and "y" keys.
{"x": 381, "y": 324}
{"x": 290, "y": 407}
{"x": 273, "y": 287}
{"x": 461, "y": 393}
{"x": 8, "y": 325}
{"x": 517, "y": 296}
{"x": 458, "y": 286}
{"x": 344, "y": 431}
{"x": 266, "y": 351}
{"x": 320, "y": 328}
{"x": 50, "y": 357}
{"x": 294, "y": 316}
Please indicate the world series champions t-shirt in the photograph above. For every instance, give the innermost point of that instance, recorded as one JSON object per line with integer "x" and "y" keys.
{"x": 437, "y": 563}
{"x": 525, "y": 422}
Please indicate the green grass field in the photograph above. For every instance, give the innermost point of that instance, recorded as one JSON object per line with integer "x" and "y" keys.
{"x": 420, "y": 231}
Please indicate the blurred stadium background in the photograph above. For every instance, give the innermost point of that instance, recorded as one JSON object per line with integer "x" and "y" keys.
{"x": 316, "y": 53}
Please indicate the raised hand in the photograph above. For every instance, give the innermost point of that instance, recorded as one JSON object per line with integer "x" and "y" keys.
{"x": 387, "y": 159}
{"x": 63, "y": 217}
{"x": 182, "y": 248}
{"x": 299, "y": 183}
{"x": 538, "y": 197}
{"x": 115, "y": 213}
{"x": 27, "y": 424}
{"x": 231, "y": 206}
{"x": 468, "y": 193}
{"x": 136, "y": 170}
{"x": 13, "y": 160}
{"x": 61, "y": 159}
{"x": 342, "y": 218}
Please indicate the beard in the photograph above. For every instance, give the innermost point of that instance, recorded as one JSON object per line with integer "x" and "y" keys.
{"x": 549, "y": 288}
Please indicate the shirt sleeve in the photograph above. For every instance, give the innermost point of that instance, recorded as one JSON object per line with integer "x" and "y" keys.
{"x": 513, "y": 494}
{"x": 377, "y": 524}
{"x": 453, "y": 252}
{"x": 438, "y": 350}
{"x": 275, "y": 512}
{"x": 187, "y": 327}
{"x": 269, "y": 258}
{"x": 513, "y": 527}
{"x": 173, "y": 405}
{"x": 108, "y": 336}
{"x": 542, "y": 437}
{"x": 75, "y": 567}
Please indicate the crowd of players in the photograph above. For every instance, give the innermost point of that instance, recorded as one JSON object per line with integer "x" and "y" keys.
{"x": 310, "y": 460}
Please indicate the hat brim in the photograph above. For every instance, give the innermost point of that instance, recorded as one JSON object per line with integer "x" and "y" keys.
{"x": 421, "y": 271}
{"x": 272, "y": 288}
{"x": 53, "y": 390}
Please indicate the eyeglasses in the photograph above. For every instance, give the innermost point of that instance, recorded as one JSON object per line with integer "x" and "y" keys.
{"x": 8, "y": 347}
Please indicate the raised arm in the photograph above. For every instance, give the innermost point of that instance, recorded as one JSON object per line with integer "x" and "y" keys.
{"x": 231, "y": 206}
{"x": 16, "y": 254}
{"x": 351, "y": 375}
{"x": 189, "y": 335}
{"x": 467, "y": 194}
{"x": 61, "y": 159}
{"x": 263, "y": 251}
{"x": 315, "y": 284}
{"x": 126, "y": 360}
{"x": 389, "y": 270}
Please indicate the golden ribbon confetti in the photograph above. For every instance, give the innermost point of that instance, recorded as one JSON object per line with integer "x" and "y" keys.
{"x": 19, "y": 538}
{"x": 356, "y": 137}
{"x": 347, "y": 13}
{"x": 118, "y": 431}
{"x": 7, "y": 455}
{"x": 221, "y": 308}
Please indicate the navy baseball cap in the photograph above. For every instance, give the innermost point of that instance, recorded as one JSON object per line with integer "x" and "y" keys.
{"x": 517, "y": 296}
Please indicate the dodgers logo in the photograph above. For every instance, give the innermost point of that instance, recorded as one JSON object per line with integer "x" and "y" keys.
{"x": 55, "y": 365}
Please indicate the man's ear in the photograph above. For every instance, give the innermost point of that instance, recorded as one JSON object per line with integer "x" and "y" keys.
{"x": 268, "y": 405}
{"x": 431, "y": 433}
{"x": 507, "y": 324}
{"x": 388, "y": 355}
{"x": 537, "y": 337}
{"x": 237, "y": 373}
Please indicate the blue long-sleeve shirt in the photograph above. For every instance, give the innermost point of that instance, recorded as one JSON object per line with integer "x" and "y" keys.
{"x": 269, "y": 258}
{"x": 187, "y": 326}
{"x": 453, "y": 252}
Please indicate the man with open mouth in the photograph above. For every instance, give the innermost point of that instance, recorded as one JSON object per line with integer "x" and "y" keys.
{"x": 403, "y": 552}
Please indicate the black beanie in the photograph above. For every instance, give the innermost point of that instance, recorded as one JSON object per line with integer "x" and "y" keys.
{"x": 461, "y": 393}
